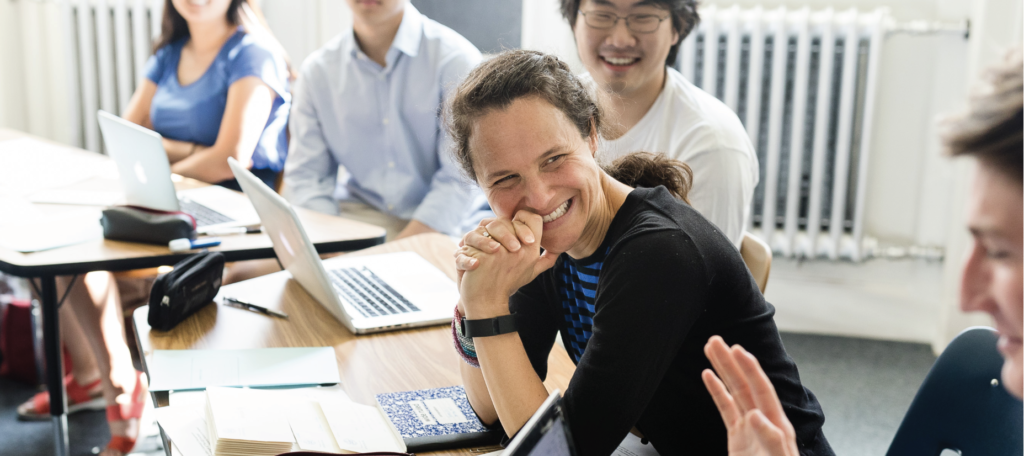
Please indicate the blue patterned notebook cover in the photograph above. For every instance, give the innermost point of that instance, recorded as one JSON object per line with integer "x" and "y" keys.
{"x": 408, "y": 412}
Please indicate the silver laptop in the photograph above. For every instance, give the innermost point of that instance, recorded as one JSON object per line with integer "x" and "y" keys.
{"x": 367, "y": 293}
{"x": 146, "y": 179}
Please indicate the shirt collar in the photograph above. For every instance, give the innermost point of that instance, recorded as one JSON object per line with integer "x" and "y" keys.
{"x": 407, "y": 39}
{"x": 410, "y": 31}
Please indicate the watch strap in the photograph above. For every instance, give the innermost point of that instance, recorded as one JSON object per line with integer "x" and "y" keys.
{"x": 489, "y": 326}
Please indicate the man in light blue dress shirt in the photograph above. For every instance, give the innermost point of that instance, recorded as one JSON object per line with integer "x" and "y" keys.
{"x": 369, "y": 101}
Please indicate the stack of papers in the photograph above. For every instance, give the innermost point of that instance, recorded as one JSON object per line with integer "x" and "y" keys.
{"x": 314, "y": 419}
{"x": 240, "y": 426}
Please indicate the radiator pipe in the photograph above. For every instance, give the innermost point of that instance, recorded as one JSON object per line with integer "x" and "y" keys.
{"x": 923, "y": 27}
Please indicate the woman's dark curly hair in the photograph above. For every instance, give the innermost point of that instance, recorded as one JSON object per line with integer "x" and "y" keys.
{"x": 512, "y": 75}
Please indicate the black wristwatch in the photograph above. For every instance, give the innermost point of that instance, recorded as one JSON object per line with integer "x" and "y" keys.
{"x": 489, "y": 326}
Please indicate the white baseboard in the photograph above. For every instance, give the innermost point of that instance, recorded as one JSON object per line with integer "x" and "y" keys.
{"x": 877, "y": 299}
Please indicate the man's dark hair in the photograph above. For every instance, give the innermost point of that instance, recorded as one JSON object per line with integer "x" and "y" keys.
{"x": 684, "y": 19}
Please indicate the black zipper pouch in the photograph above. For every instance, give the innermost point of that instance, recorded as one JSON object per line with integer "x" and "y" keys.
{"x": 182, "y": 292}
{"x": 140, "y": 224}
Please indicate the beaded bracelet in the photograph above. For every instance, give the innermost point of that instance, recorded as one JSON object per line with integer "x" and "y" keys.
{"x": 463, "y": 345}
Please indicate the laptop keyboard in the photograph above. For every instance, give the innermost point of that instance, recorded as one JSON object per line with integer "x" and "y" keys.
{"x": 370, "y": 295}
{"x": 204, "y": 216}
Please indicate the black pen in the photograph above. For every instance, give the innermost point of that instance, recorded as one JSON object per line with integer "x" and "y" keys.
{"x": 229, "y": 301}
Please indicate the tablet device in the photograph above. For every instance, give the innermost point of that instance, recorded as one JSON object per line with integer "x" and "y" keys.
{"x": 546, "y": 434}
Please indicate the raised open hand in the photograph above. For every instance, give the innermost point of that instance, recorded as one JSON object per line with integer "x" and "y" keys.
{"x": 747, "y": 401}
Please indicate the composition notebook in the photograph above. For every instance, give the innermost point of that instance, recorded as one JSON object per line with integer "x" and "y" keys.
{"x": 435, "y": 419}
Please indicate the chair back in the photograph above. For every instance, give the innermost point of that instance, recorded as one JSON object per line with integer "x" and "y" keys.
{"x": 962, "y": 404}
{"x": 758, "y": 257}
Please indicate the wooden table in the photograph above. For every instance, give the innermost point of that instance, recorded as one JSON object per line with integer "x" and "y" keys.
{"x": 329, "y": 234}
{"x": 369, "y": 364}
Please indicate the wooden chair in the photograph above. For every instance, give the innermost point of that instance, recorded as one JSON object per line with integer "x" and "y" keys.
{"x": 758, "y": 257}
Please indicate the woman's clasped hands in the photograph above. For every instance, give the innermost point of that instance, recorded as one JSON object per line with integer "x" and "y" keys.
{"x": 496, "y": 259}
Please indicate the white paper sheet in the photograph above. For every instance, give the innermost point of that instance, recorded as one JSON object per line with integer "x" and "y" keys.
{"x": 197, "y": 369}
{"x": 33, "y": 232}
{"x": 360, "y": 428}
{"x": 31, "y": 165}
{"x": 77, "y": 197}
{"x": 310, "y": 427}
{"x": 241, "y": 416}
{"x": 184, "y": 421}
{"x": 185, "y": 426}
{"x": 631, "y": 446}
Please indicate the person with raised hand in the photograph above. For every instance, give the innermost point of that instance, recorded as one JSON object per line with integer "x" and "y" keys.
{"x": 614, "y": 259}
{"x": 992, "y": 132}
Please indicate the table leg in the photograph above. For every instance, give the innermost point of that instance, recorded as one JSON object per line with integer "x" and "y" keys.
{"x": 54, "y": 365}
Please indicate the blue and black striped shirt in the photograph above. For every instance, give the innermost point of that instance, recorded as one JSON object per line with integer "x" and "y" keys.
{"x": 577, "y": 285}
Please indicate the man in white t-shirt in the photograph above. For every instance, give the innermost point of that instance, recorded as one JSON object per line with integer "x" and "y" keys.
{"x": 627, "y": 46}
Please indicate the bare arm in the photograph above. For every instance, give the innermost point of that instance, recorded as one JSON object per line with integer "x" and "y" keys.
{"x": 245, "y": 115}
{"x": 506, "y": 386}
{"x": 413, "y": 228}
{"x": 137, "y": 111}
{"x": 476, "y": 391}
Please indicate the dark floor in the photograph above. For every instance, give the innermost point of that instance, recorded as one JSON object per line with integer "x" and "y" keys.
{"x": 864, "y": 387}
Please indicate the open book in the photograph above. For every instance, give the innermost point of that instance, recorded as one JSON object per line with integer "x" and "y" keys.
{"x": 268, "y": 422}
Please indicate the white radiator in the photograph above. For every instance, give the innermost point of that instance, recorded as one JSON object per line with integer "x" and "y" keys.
{"x": 803, "y": 83}
{"x": 107, "y": 44}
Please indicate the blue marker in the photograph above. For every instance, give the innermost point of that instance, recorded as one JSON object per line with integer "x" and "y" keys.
{"x": 185, "y": 244}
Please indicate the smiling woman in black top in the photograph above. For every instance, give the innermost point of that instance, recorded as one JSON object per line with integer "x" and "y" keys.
{"x": 634, "y": 279}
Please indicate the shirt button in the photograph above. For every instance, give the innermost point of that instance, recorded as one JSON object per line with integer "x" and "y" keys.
{"x": 391, "y": 164}
{"x": 391, "y": 207}
{"x": 382, "y": 76}
{"x": 385, "y": 121}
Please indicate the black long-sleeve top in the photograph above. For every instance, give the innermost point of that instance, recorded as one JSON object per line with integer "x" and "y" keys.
{"x": 669, "y": 281}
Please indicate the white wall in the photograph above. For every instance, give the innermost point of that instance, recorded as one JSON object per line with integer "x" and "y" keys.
{"x": 303, "y": 26}
{"x": 12, "y": 99}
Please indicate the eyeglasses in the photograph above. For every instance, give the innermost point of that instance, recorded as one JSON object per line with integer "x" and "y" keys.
{"x": 637, "y": 23}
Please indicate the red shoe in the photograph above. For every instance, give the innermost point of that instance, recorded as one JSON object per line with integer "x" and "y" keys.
{"x": 124, "y": 412}
{"x": 79, "y": 398}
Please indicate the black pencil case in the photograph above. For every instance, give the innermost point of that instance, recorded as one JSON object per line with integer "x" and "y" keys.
{"x": 139, "y": 224}
{"x": 182, "y": 292}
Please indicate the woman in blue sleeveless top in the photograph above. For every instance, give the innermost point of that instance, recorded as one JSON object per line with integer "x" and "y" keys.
{"x": 217, "y": 86}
